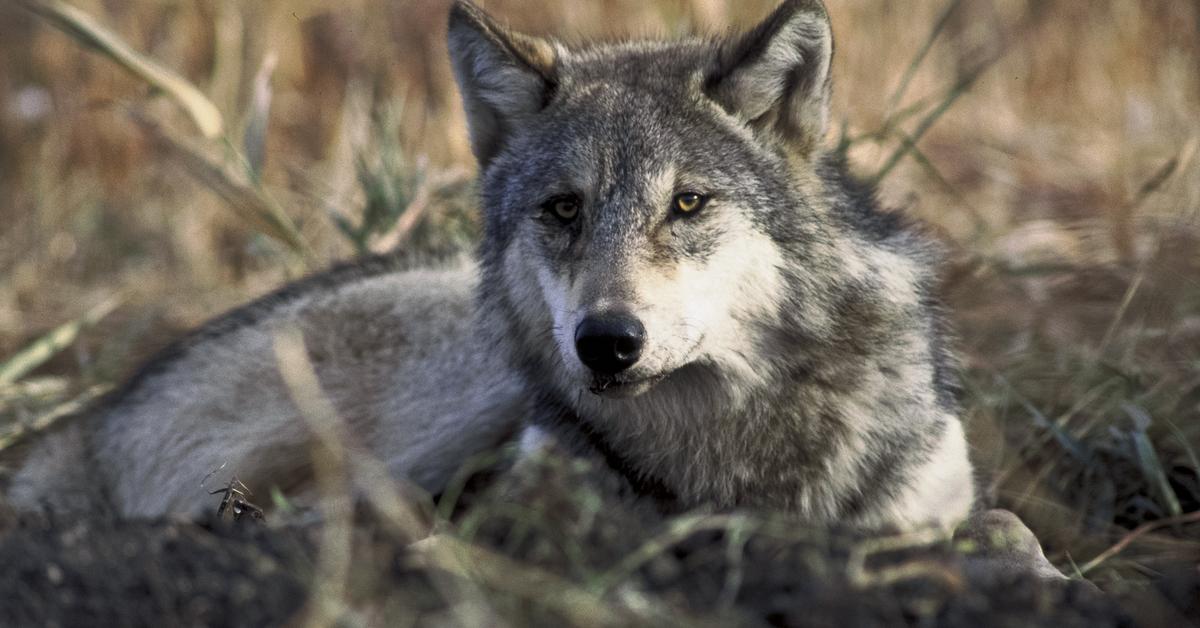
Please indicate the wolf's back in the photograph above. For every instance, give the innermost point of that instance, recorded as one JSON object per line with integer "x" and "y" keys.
{"x": 395, "y": 352}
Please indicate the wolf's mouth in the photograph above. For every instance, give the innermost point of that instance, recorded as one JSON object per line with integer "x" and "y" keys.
{"x": 624, "y": 387}
{"x": 618, "y": 387}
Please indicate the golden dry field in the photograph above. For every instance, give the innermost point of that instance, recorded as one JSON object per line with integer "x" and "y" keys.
{"x": 1054, "y": 145}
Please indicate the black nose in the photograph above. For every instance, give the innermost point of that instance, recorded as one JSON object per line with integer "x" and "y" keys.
{"x": 609, "y": 343}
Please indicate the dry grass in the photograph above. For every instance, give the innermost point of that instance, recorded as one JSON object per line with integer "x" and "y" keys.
{"x": 1052, "y": 144}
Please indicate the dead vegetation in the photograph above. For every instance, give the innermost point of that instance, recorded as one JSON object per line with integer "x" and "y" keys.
{"x": 231, "y": 146}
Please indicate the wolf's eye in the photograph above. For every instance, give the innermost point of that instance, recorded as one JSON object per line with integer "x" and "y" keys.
{"x": 688, "y": 203}
{"x": 565, "y": 207}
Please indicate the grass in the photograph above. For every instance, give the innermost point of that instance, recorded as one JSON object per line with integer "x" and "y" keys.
{"x": 1052, "y": 146}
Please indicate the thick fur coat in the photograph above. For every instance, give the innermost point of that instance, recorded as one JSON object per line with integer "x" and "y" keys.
{"x": 794, "y": 354}
{"x": 790, "y": 352}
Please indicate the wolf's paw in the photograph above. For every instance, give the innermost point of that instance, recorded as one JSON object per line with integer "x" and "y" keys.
{"x": 996, "y": 544}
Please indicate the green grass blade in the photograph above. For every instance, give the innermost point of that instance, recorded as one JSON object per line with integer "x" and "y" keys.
{"x": 14, "y": 434}
{"x": 46, "y": 347}
{"x": 249, "y": 202}
{"x": 1148, "y": 460}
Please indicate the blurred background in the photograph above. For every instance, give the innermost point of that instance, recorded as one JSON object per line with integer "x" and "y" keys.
{"x": 1052, "y": 144}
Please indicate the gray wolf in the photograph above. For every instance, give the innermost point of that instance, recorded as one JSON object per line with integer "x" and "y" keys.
{"x": 676, "y": 278}
{"x": 694, "y": 289}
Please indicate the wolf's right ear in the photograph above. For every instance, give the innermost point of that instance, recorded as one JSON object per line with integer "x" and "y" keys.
{"x": 504, "y": 76}
{"x": 776, "y": 77}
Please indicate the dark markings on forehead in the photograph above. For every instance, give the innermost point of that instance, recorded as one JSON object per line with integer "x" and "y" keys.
{"x": 623, "y": 115}
{"x": 638, "y": 64}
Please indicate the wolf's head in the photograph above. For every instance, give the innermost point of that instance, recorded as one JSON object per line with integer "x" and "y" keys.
{"x": 638, "y": 197}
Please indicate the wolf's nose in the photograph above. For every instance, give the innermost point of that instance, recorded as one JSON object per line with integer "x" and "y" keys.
{"x": 609, "y": 343}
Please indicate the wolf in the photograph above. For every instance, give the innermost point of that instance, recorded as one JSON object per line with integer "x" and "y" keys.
{"x": 695, "y": 289}
{"x": 676, "y": 278}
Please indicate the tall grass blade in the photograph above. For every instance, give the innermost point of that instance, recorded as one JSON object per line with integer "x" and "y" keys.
{"x": 331, "y": 468}
{"x": 1148, "y": 459}
{"x": 52, "y": 343}
{"x": 911, "y": 72}
{"x": 248, "y": 202}
{"x": 1077, "y": 449}
{"x": 18, "y": 432}
{"x": 952, "y": 95}
{"x": 254, "y": 139}
{"x": 1128, "y": 539}
{"x": 35, "y": 389}
{"x": 1180, "y": 437}
{"x": 86, "y": 30}
{"x": 1122, "y": 309}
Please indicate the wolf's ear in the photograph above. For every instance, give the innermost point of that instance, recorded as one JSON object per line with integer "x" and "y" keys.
{"x": 503, "y": 76}
{"x": 777, "y": 76}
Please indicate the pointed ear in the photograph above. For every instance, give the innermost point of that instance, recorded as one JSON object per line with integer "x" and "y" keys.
{"x": 503, "y": 76}
{"x": 776, "y": 77}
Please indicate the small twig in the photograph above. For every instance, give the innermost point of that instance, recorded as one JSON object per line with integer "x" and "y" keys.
{"x": 885, "y": 130}
{"x": 911, "y": 72}
{"x": 416, "y": 210}
{"x": 1122, "y": 309}
{"x": 207, "y": 477}
{"x": 1156, "y": 181}
{"x": 952, "y": 95}
{"x": 930, "y": 168}
{"x": 1145, "y": 528}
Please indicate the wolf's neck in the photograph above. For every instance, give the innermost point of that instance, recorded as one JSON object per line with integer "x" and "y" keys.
{"x": 809, "y": 444}
{"x": 819, "y": 422}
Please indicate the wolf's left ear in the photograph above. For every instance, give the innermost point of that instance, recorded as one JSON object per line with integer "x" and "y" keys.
{"x": 777, "y": 76}
{"x": 504, "y": 76}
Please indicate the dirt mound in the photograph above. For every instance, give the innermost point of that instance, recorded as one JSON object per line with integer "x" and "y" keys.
{"x": 556, "y": 544}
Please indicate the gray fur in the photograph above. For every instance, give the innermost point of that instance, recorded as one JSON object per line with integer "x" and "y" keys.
{"x": 795, "y": 354}
{"x": 395, "y": 352}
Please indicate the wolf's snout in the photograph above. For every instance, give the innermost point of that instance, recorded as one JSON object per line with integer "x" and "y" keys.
{"x": 609, "y": 343}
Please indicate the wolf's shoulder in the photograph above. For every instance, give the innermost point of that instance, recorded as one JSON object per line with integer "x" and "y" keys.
{"x": 855, "y": 200}
{"x": 856, "y": 207}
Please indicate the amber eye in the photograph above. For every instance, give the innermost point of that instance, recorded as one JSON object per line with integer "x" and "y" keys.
{"x": 565, "y": 208}
{"x": 688, "y": 203}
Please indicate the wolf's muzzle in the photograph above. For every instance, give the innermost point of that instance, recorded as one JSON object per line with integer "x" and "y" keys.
{"x": 609, "y": 343}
